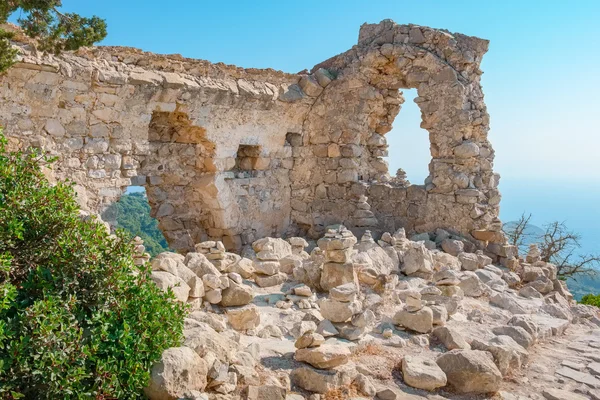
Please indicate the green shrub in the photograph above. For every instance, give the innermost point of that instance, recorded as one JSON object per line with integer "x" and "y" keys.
{"x": 591, "y": 300}
{"x": 77, "y": 318}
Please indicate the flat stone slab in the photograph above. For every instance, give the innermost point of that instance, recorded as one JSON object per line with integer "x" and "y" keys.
{"x": 550, "y": 325}
{"x": 558, "y": 394}
{"x": 580, "y": 377}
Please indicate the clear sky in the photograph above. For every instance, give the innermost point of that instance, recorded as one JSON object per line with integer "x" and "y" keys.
{"x": 541, "y": 75}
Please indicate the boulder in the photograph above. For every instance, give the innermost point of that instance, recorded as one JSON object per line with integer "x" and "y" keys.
{"x": 335, "y": 274}
{"x": 443, "y": 260}
{"x": 179, "y": 371}
{"x": 270, "y": 280}
{"x": 324, "y": 357}
{"x": 417, "y": 259}
{"x": 420, "y": 321}
{"x": 518, "y": 334}
{"x": 236, "y": 295}
{"x": 271, "y": 248}
{"x": 422, "y": 373}
{"x": 469, "y": 261}
{"x": 453, "y": 247}
{"x": 204, "y": 339}
{"x": 166, "y": 280}
{"x": 471, "y": 284}
{"x": 508, "y": 302}
{"x": 243, "y": 318}
{"x": 199, "y": 264}
{"x": 323, "y": 381}
{"x": 337, "y": 311}
{"x": 508, "y": 354}
{"x": 309, "y": 339}
{"x": 344, "y": 293}
{"x": 450, "y": 338}
{"x": 470, "y": 371}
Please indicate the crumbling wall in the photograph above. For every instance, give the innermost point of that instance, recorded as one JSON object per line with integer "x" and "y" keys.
{"x": 233, "y": 154}
{"x": 347, "y": 178}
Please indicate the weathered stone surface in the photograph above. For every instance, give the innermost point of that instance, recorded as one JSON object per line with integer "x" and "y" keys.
{"x": 163, "y": 117}
{"x": 166, "y": 281}
{"x": 559, "y": 394}
{"x": 470, "y": 371}
{"x": 243, "y": 318}
{"x": 179, "y": 370}
{"x": 236, "y": 295}
{"x": 420, "y": 321}
{"x": 338, "y": 311}
{"x": 508, "y": 354}
{"x": 335, "y": 274}
{"x": 450, "y": 338}
{"x": 325, "y": 356}
{"x": 322, "y": 381}
{"x": 517, "y": 333}
{"x": 422, "y": 373}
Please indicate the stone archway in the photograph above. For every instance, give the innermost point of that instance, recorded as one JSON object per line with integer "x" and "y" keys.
{"x": 347, "y": 125}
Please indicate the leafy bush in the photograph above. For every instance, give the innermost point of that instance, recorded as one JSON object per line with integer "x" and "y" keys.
{"x": 132, "y": 213}
{"x": 77, "y": 318}
{"x": 591, "y": 300}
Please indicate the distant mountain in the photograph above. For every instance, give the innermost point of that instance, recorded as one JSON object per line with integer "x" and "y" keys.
{"x": 532, "y": 233}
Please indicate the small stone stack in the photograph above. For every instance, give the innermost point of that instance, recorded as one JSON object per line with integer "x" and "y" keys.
{"x": 448, "y": 281}
{"x": 213, "y": 251}
{"x": 269, "y": 253}
{"x": 298, "y": 245}
{"x": 338, "y": 269}
{"x": 400, "y": 179}
{"x": 140, "y": 257}
{"x": 363, "y": 216}
{"x": 415, "y": 315}
{"x": 343, "y": 306}
{"x": 534, "y": 255}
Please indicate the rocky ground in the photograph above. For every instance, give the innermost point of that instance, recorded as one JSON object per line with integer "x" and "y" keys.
{"x": 430, "y": 317}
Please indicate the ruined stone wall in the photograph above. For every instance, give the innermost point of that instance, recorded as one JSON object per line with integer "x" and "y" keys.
{"x": 233, "y": 154}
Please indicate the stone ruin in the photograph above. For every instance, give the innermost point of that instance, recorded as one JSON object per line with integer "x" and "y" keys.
{"x": 234, "y": 160}
{"x": 236, "y": 154}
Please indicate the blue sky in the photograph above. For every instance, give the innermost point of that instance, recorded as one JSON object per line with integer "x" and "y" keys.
{"x": 541, "y": 76}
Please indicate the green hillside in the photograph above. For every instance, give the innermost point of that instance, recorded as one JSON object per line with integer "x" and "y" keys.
{"x": 132, "y": 213}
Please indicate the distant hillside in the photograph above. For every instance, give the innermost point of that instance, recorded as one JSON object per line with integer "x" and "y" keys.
{"x": 132, "y": 213}
{"x": 532, "y": 233}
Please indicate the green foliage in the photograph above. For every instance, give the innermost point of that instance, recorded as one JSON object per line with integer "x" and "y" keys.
{"x": 591, "y": 300}
{"x": 55, "y": 31}
{"x": 132, "y": 213}
{"x": 77, "y": 318}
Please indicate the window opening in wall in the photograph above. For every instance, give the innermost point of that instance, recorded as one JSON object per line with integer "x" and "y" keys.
{"x": 247, "y": 157}
{"x": 132, "y": 214}
{"x": 408, "y": 144}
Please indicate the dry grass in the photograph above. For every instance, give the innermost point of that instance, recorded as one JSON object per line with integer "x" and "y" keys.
{"x": 368, "y": 349}
{"x": 342, "y": 393}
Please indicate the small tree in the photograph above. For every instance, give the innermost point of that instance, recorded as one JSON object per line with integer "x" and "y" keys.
{"x": 54, "y": 31}
{"x": 517, "y": 232}
{"x": 558, "y": 245}
{"x": 78, "y": 318}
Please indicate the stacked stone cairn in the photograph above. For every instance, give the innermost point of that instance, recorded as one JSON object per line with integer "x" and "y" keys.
{"x": 480, "y": 310}
{"x": 140, "y": 257}
{"x": 337, "y": 244}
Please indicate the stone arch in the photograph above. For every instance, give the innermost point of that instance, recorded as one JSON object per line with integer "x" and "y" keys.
{"x": 347, "y": 125}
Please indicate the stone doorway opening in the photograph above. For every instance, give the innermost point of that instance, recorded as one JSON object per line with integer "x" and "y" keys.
{"x": 408, "y": 144}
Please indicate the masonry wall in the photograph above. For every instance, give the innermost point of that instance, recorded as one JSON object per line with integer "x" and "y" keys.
{"x": 117, "y": 117}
